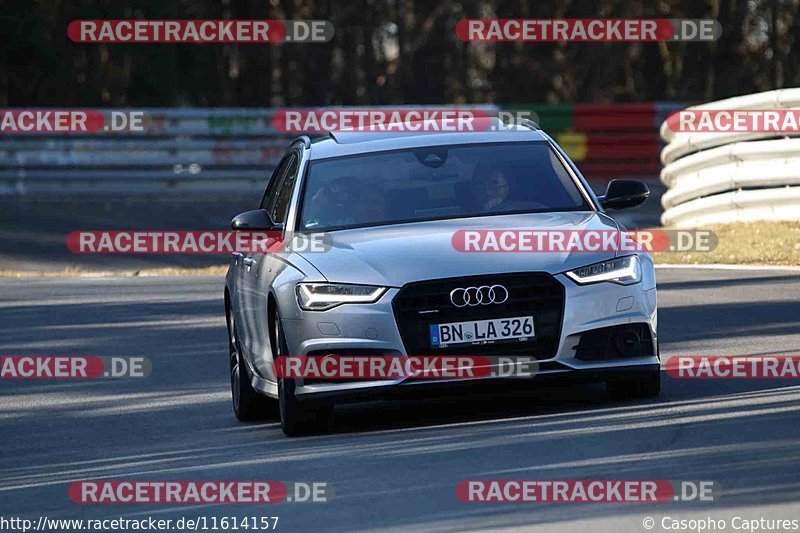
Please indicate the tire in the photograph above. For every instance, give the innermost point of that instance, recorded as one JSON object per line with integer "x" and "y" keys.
{"x": 297, "y": 418}
{"x": 248, "y": 404}
{"x": 644, "y": 385}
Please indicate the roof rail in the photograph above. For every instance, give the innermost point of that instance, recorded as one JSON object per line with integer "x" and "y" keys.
{"x": 305, "y": 139}
{"x": 528, "y": 123}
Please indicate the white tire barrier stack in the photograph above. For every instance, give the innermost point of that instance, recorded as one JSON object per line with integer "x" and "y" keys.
{"x": 718, "y": 178}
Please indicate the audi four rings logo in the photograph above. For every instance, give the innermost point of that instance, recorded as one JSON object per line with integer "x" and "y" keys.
{"x": 475, "y": 296}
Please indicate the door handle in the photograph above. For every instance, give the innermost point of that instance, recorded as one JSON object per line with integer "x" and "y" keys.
{"x": 248, "y": 261}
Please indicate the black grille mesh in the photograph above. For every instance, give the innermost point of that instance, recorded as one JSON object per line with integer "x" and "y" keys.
{"x": 420, "y": 304}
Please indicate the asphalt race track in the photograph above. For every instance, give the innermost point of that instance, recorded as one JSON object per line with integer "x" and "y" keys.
{"x": 393, "y": 466}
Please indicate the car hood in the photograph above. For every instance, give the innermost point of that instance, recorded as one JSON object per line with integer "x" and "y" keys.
{"x": 392, "y": 256}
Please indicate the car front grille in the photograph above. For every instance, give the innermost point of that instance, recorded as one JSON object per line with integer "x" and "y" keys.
{"x": 420, "y": 304}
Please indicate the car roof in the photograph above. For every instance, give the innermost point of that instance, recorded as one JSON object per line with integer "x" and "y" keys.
{"x": 344, "y": 143}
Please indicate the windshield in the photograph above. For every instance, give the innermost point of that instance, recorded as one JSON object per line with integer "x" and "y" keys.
{"x": 436, "y": 182}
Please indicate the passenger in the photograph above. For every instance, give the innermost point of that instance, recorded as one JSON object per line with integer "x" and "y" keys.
{"x": 333, "y": 204}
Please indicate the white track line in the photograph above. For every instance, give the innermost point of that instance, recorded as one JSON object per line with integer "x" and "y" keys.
{"x": 714, "y": 266}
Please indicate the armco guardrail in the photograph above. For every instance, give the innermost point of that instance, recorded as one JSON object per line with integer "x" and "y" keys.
{"x": 236, "y": 148}
{"x": 606, "y": 140}
{"x": 717, "y": 178}
{"x": 178, "y": 149}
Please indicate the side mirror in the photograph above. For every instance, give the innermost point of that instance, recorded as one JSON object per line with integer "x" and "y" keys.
{"x": 256, "y": 220}
{"x": 621, "y": 194}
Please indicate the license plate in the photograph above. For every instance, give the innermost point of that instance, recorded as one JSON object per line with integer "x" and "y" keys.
{"x": 482, "y": 331}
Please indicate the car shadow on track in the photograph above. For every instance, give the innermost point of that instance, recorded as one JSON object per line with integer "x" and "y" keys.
{"x": 535, "y": 401}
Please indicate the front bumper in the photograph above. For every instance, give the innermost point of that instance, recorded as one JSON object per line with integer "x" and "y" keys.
{"x": 377, "y": 391}
{"x": 373, "y": 327}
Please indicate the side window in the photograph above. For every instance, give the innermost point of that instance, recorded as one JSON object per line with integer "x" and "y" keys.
{"x": 274, "y": 180}
{"x": 283, "y": 194}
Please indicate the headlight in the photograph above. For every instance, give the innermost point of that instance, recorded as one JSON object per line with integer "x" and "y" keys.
{"x": 623, "y": 270}
{"x": 322, "y": 296}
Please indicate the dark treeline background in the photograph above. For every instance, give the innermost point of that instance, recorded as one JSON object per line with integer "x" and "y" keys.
{"x": 391, "y": 52}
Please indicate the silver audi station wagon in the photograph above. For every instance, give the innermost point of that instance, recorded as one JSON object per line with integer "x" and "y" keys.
{"x": 389, "y": 281}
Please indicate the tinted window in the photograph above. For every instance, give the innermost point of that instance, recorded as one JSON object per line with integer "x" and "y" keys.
{"x": 437, "y": 182}
{"x": 269, "y": 195}
{"x": 283, "y": 194}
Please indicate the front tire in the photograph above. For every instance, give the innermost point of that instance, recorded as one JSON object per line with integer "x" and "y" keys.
{"x": 248, "y": 404}
{"x": 297, "y": 418}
